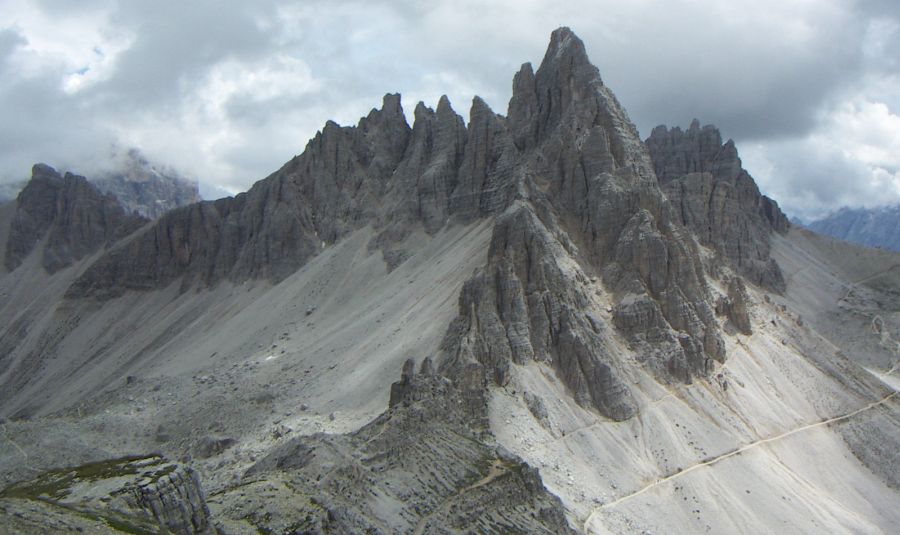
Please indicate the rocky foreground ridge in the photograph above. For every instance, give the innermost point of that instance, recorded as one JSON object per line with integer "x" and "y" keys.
{"x": 608, "y": 257}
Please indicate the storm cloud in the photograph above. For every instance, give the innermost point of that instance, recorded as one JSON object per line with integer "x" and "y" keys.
{"x": 227, "y": 92}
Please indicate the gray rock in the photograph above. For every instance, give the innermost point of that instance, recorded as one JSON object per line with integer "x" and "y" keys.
{"x": 718, "y": 200}
{"x": 208, "y": 446}
{"x": 274, "y": 228}
{"x": 536, "y": 406}
{"x": 736, "y": 306}
{"x": 137, "y": 495}
{"x": 427, "y": 465}
{"x": 72, "y": 214}
{"x": 573, "y": 197}
{"x": 176, "y": 501}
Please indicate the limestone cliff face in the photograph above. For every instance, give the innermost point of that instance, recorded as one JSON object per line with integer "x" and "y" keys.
{"x": 74, "y": 217}
{"x": 175, "y": 500}
{"x": 718, "y": 200}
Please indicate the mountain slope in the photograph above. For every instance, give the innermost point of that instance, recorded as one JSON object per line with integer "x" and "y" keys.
{"x": 574, "y": 351}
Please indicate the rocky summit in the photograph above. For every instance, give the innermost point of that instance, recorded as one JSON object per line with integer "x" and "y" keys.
{"x": 144, "y": 188}
{"x": 524, "y": 323}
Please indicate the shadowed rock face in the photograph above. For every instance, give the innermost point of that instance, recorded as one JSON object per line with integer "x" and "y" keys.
{"x": 524, "y": 306}
{"x": 71, "y": 213}
{"x": 379, "y": 173}
{"x": 718, "y": 200}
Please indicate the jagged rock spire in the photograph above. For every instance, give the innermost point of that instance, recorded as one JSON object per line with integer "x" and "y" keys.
{"x": 718, "y": 199}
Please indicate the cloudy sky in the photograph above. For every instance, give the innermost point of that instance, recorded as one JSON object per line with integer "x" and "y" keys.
{"x": 226, "y": 92}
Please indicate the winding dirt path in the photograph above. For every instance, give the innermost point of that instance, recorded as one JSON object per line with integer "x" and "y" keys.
{"x": 852, "y": 285}
{"x": 732, "y": 453}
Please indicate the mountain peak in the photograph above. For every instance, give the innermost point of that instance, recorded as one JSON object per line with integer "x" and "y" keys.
{"x": 444, "y": 105}
{"x": 390, "y": 104}
{"x": 563, "y": 41}
{"x": 74, "y": 216}
{"x": 44, "y": 170}
{"x": 566, "y": 53}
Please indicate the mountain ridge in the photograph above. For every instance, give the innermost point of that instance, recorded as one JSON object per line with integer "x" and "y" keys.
{"x": 876, "y": 227}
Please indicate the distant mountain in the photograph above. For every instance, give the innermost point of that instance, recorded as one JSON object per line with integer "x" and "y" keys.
{"x": 875, "y": 227}
{"x": 145, "y": 188}
{"x": 139, "y": 185}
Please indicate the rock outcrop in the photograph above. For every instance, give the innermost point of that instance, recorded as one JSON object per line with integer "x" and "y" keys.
{"x": 175, "y": 500}
{"x": 134, "y": 495}
{"x": 427, "y": 465}
{"x": 735, "y": 306}
{"x": 718, "y": 200}
{"x": 524, "y": 306}
{"x": 74, "y": 217}
{"x": 567, "y": 170}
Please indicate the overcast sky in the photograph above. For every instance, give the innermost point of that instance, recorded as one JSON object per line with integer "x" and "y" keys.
{"x": 226, "y": 92}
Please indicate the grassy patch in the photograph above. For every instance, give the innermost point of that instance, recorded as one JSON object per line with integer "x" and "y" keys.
{"x": 54, "y": 486}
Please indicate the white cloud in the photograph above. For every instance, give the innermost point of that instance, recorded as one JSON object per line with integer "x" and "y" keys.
{"x": 227, "y": 92}
{"x": 851, "y": 159}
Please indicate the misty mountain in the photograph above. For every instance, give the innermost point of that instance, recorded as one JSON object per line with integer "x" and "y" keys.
{"x": 140, "y": 186}
{"x": 146, "y": 188}
{"x": 9, "y": 191}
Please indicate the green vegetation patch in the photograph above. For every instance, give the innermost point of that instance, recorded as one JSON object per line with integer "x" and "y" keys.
{"x": 56, "y": 485}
